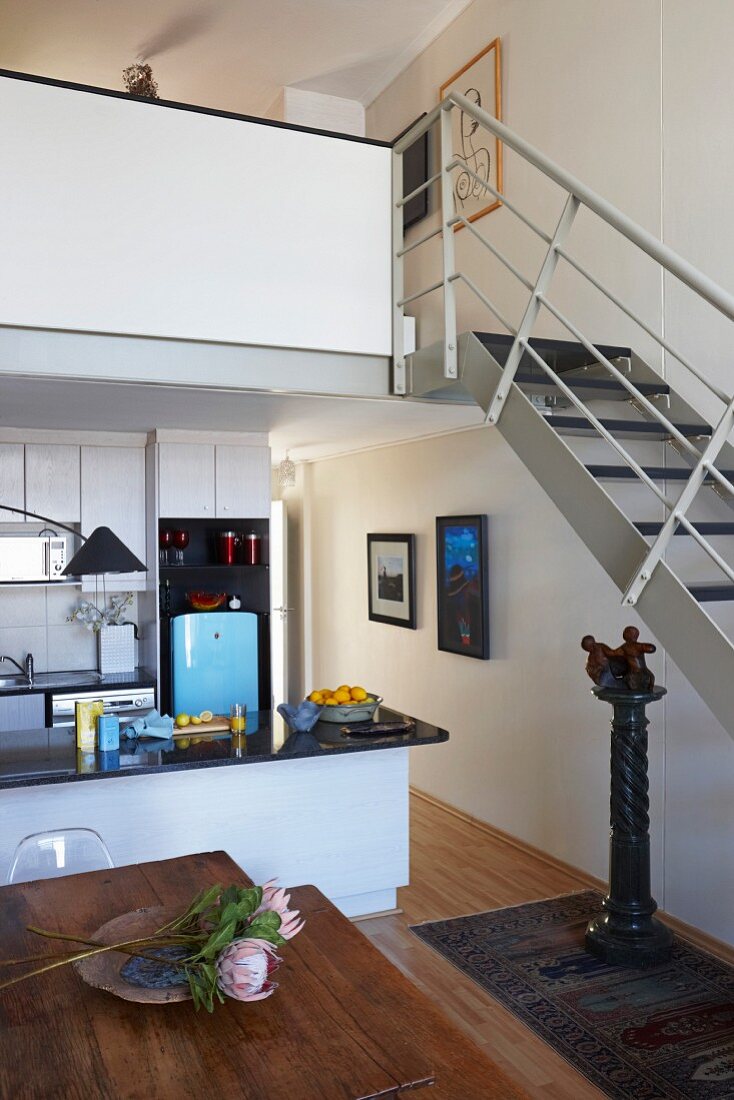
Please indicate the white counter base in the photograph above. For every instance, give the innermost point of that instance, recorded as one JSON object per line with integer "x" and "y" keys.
{"x": 338, "y": 823}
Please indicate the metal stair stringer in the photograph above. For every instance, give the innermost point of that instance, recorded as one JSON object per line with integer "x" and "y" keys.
{"x": 694, "y": 641}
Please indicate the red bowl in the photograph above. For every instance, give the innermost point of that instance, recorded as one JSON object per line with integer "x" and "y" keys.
{"x": 206, "y": 601}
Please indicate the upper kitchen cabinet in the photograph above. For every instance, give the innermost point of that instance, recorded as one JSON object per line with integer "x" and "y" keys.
{"x": 222, "y": 481}
{"x": 186, "y": 480}
{"x": 53, "y": 481}
{"x": 242, "y": 482}
{"x": 12, "y": 490}
{"x": 113, "y": 495}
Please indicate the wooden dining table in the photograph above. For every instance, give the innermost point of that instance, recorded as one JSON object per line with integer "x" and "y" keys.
{"x": 344, "y": 1024}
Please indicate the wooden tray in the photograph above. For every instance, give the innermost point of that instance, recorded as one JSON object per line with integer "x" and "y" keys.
{"x": 218, "y": 724}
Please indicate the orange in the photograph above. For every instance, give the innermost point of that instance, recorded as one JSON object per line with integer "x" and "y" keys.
{"x": 358, "y": 694}
{"x": 342, "y": 696}
{"x": 316, "y": 697}
{"x": 331, "y": 702}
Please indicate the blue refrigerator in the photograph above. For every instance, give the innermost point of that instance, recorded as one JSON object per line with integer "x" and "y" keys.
{"x": 214, "y": 661}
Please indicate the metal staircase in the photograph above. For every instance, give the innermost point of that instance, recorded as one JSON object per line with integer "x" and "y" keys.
{"x": 657, "y": 480}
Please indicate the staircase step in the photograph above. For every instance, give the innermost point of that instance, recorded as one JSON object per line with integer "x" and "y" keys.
{"x": 561, "y": 355}
{"x": 604, "y": 387}
{"x": 629, "y": 429}
{"x": 712, "y": 592}
{"x": 656, "y": 473}
{"x": 713, "y": 528}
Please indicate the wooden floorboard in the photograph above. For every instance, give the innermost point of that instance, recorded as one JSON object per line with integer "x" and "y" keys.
{"x": 456, "y": 869}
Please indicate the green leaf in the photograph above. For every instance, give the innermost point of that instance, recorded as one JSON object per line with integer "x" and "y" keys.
{"x": 205, "y": 900}
{"x": 265, "y": 927}
{"x": 219, "y": 939}
{"x": 250, "y": 899}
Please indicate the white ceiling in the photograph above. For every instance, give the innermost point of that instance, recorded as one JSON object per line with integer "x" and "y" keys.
{"x": 229, "y": 54}
{"x": 308, "y": 427}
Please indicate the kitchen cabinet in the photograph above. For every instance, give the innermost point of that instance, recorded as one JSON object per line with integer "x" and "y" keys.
{"x": 242, "y": 482}
{"x": 53, "y": 481}
{"x": 12, "y": 487}
{"x": 22, "y": 712}
{"x": 186, "y": 480}
{"x": 113, "y": 495}
{"x": 222, "y": 481}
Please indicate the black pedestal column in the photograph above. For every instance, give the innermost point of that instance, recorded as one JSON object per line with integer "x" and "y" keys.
{"x": 626, "y": 933}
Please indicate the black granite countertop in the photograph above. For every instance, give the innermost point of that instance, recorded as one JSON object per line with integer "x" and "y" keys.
{"x": 64, "y": 683}
{"x": 36, "y": 757}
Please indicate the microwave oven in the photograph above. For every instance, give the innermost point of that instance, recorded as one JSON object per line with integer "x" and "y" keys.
{"x": 32, "y": 557}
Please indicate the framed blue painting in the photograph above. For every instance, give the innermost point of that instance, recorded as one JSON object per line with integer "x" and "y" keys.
{"x": 462, "y": 574}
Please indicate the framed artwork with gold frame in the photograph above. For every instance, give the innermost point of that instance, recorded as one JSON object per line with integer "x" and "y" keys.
{"x": 480, "y": 80}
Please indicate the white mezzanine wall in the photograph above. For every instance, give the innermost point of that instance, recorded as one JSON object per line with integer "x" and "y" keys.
{"x": 122, "y": 216}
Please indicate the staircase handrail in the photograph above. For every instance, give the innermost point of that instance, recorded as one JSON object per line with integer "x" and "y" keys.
{"x": 578, "y": 194}
{"x": 667, "y": 257}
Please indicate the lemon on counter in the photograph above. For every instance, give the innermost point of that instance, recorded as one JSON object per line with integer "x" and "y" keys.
{"x": 182, "y": 720}
{"x": 195, "y": 720}
{"x": 206, "y": 716}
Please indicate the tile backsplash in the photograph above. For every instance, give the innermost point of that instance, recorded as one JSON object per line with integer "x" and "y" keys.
{"x": 33, "y": 620}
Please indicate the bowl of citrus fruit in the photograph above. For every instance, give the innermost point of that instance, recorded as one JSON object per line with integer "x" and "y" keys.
{"x": 345, "y": 704}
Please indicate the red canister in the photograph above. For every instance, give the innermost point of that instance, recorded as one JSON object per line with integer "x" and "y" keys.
{"x": 253, "y": 549}
{"x": 226, "y": 547}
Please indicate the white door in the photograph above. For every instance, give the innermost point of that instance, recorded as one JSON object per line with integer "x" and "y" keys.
{"x": 279, "y": 608}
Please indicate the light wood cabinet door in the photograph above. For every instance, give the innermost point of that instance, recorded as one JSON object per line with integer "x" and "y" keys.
{"x": 12, "y": 482}
{"x": 242, "y": 482}
{"x": 186, "y": 480}
{"x": 52, "y": 480}
{"x": 113, "y": 495}
{"x": 22, "y": 712}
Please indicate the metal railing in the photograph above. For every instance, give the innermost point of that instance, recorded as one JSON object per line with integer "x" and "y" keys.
{"x": 578, "y": 195}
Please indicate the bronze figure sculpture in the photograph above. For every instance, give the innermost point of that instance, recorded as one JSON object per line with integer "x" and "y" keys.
{"x": 621, "y": 668}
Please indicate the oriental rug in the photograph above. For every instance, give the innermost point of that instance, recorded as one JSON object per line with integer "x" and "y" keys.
{"x": 660, "y": 1034}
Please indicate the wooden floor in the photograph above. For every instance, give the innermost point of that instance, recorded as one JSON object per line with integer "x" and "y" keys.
{"x": 458, "y": 868}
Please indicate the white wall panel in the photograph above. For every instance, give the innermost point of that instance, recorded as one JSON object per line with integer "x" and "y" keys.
{"x": 120, "y": 216}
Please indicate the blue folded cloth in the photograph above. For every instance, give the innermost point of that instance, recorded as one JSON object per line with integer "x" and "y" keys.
{"x": 151, "y": 724}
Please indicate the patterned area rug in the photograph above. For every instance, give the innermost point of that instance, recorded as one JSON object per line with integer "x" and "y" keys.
{"x": 658, "y": 1034}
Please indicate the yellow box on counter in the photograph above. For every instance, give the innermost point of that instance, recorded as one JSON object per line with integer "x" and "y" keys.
{"x": 86, "y": 724}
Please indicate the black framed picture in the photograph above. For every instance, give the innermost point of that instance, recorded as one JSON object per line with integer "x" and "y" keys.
{"x": 415, "y": 172}
{"x": 463, "y": 597}
{"x": 391, "y": 579}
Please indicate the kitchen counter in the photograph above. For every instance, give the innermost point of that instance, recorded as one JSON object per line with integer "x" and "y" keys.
{"x": 36, "y": 757}
{"x": 327, "y": 809}
{"x": 82, "y": 680}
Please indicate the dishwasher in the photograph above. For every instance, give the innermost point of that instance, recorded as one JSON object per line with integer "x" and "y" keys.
{"x": 127, "y": 703}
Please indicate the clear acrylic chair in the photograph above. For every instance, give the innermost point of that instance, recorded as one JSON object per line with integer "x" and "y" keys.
{"x": 62, "y": 852}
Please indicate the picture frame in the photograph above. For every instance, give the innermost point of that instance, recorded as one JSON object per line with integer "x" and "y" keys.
{"x": 391, "y": 579}
{"x": 462, "y": 574}
{"x": 480, "y": 80}
{"x": 416, "y": 159}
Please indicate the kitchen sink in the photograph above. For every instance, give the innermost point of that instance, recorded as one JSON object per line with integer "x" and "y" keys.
{"x": 60, "y": 679}
{"x": 14, "y": 681}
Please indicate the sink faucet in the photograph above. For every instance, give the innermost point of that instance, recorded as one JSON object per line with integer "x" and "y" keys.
{"x": 29, "y": 668}
{"x": 22, "y": 671}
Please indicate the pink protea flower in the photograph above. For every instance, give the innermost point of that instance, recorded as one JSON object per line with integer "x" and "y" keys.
{"x": 276, "y": 900}
{"x": 244, "y": 968}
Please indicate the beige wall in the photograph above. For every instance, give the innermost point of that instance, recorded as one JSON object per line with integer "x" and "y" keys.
{"x": 621, "y": 98}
